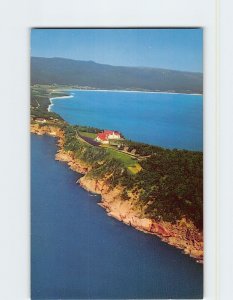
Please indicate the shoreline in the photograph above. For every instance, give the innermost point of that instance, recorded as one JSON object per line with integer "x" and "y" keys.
{"x": 182, "y": 235}
{"x": 54, "y": 98}
{"x": 129, "y": 91}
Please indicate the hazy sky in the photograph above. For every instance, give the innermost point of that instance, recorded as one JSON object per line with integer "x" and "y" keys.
{"x": 177, "y": 49}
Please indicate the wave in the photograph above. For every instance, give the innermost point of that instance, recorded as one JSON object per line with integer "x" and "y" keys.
{"x": 57, "y": 98}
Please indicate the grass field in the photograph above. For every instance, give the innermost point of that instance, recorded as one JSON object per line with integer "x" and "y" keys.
{"x": 88, "y": 134}
{"x": 130, "y": 162}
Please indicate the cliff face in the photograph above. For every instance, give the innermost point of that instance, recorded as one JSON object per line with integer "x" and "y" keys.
{"x": 183, "y": 234}
{"x": 72, "y": 162}
{"x": 50, "y": 130}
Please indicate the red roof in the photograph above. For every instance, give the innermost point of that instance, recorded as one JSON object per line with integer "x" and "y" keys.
{"x": 104, "y": 135}
{"x": 111, "y": 132}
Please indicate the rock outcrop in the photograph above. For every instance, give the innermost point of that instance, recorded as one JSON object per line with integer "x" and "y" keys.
{"x": 183, "y": 234}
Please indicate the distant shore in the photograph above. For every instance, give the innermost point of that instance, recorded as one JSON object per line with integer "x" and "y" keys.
{"x": 125, "y": 91}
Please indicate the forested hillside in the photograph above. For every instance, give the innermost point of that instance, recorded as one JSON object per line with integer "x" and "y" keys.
{"x": 100, "y": 76}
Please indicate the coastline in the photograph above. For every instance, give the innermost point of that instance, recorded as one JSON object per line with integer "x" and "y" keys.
{"x": 183, "y": 234}
{"x": 128, "y": 91}
{"x": 54, "y": 98}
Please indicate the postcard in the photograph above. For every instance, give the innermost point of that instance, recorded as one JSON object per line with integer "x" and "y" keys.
{"x": 117, "y": 163}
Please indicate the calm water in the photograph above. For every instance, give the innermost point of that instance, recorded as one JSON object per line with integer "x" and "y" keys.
{"x": 167, "y": 120}
{"x": 78, "y": 252}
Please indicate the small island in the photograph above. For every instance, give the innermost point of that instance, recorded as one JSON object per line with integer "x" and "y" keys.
{"x": 153, "y": 189}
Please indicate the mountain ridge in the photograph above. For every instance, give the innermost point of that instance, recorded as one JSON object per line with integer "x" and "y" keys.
{"x": 65, "y": 71}
{"x": 110, "y": 65}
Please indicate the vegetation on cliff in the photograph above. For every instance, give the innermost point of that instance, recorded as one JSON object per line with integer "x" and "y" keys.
{"x": 169, "y": 184}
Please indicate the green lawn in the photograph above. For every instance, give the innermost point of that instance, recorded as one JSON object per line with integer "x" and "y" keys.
{"x": 88, "y": 134}
{"x": 131, "y": 163}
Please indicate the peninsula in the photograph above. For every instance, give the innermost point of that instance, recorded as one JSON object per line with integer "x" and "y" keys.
{"x": 155, "y": 190}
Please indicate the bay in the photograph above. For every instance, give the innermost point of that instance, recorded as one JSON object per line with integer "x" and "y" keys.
{"x": 162, "y": 119}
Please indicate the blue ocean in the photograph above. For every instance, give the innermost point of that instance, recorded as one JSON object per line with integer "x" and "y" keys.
{"x": 78, "y": 251}
{"x": 166, "y": 120}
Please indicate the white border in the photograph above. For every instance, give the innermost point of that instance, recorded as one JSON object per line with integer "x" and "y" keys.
{"x": 225, "y": 131}
{"x": 16, "y": 19}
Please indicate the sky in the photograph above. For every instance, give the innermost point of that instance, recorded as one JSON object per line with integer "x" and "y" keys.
{"x": 175, "y": 49}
